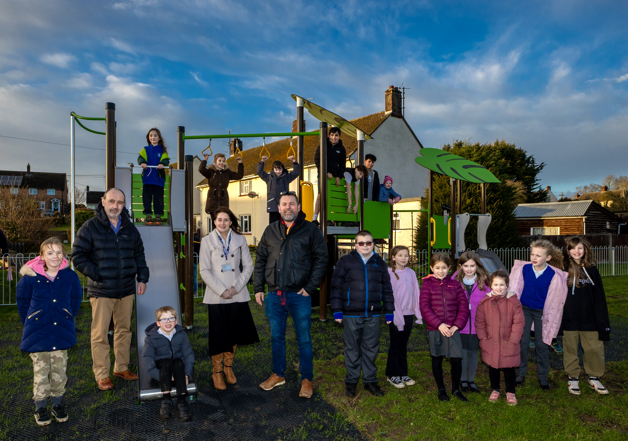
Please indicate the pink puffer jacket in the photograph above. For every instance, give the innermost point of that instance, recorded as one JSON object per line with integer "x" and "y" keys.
{"x": 443, "y": 301}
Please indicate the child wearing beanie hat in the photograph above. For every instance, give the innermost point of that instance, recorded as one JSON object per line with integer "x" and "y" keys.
{"x": 386, "y": 192}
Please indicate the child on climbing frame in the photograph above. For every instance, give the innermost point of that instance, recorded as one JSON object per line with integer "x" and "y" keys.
{"x": 354, "y": 175}
{"x": 386, "y": 192}
{"x": 336, "y": 160}
{"x": 155, "y": 154}
{"x": 277, "y": 182}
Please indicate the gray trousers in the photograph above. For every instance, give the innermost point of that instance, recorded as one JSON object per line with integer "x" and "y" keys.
{"x": 361, "y": 348}
{"x": 542, "y": 350}
{"x": 469, "y": 364}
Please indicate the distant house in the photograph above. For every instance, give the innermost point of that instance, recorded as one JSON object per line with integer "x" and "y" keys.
{"x": 50, "y": 190}
{"x": 605, "y": 197}
{"x": 93, "y": 198}
{"x": 196, "y": 193}
{"x": 565, "y": 218}
{"x": 550, "y": 196}
{"x": 394, "y": 144}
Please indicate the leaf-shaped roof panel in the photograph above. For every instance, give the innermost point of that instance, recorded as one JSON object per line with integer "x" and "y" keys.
{"x": 455, "y": 166}
{"x": 325, "y": 115}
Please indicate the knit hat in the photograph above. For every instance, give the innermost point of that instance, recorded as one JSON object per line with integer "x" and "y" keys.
{"x": 388, "y": 178}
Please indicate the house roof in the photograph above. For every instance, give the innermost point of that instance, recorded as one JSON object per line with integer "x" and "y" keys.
{"x": 279, "y": 149}
{"x": 553, "y": 209}
{"x": 94, "y": 197}
{"x": 38, "y": 179}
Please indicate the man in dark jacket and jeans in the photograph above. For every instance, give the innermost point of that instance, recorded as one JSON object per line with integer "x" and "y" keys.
{"x": 291, "y": 260}
{"x": 108, "y": 249}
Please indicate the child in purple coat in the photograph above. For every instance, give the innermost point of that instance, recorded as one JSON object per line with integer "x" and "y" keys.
{"x": 474, "y": 279}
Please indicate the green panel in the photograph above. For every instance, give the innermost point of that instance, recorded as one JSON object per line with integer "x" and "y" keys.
{"x": 337, "y": 202}
{"x": 441, "y": 234}
{"x": 377, "y": 219}
{"x": 454, "y": 166}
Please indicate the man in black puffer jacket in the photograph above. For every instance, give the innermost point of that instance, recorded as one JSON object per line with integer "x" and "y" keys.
{"x": 108, "y": 249}
{"x": 291, "y": 260}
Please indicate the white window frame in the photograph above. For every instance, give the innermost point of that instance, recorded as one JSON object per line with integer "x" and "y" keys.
{"x": 396, "y": 221}
{"x": 42, "y": 205}
{"x": 15, "y": 190}
{"x": 51, "y": 192}
{"x": 245, "y": 223}
{"x": 245, "y": 187}
{"x": 32, "y": 191}
{"x": 545, "y": 231}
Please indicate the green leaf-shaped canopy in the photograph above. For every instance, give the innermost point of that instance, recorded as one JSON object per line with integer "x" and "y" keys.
{"x": 455, "y": 166}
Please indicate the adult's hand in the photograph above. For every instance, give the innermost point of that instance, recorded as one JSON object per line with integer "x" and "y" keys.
{"x": 205, "y": 156}
{"x": 233, "y": 291}
{"x": 226, "y": 295}
{"x": 259, "y": 297}
{"x": 141, "y": 288}
{"x": 303, "y": 292}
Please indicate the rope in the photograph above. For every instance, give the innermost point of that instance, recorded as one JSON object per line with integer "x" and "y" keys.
{"x": 208, "y": 147}
{"x": 261, "y": 152}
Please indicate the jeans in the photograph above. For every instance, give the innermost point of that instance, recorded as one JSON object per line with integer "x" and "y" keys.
{"x": 300, "y": 308}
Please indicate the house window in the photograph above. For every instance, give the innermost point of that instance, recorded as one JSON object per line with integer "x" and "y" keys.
{"x": 14, "y": 190}
{"x": 396, "y": 221}
{"x": 1, "y": 204}
{"x": 245, "y": 187}
{"x": 545, "y": 231}
{"x": 42, "y": 205}
{"x": 32, "y": 191}
{"x": 245, "y": 223}
{"x": 51, "y": 192}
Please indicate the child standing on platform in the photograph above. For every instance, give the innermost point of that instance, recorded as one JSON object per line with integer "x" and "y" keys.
{"x": 48, "y": 298}
{"x": 474, "y": 279}
{"x": 406, "y": 293}
{"x": 155, "y": 154}
{"x": 499, "y": 323}
{"x": 445, "y": 309}
{"x": 585, "y": 317}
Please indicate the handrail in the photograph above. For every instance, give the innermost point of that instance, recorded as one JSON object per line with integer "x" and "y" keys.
{"x": 90, "y": 118}
{"x": 78, "y": 117}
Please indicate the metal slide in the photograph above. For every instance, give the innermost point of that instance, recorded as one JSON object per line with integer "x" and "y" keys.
{"x": 162, "y": 290}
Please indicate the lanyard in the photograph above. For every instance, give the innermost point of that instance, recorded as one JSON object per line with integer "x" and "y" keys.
{"x": 222, "y": 242}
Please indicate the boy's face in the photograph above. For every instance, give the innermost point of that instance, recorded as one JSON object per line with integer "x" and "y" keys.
{"x": 364, "y": 245}
{"x": 388, "y": 184}
{"x": 369, "y": 163}
{"x": 334, "y": 138}
{"x": 539, "y": 257}
{"x": 278, "y": 171}
{"x": 167, "y": 322}
{"x": 358, "y": 174}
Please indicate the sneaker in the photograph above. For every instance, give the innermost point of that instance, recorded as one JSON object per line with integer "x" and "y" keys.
{"x": 350, "y": 389}
{"x": 557, "y": 347}
{"x": 396, "y": 381}
{"x": 42, "y": 417}
{"x": 595, "y": 384}
{"x": 58, "y": 412}
{"x": 473, "y": 387}
{"x": 273, "y": 381}
{"x": 511, "y": 399}
{"x": 408, "y": 381}
{"x": 459, "y": 395}
{"x": 157, "y": 220}
{"x": 184, "y": 411}
{"x": 573, "y": 386}
{"x": 374, "y": 389}
{"x": 464, "y": 386}
{"x": 442, "y": 395}
{"x": 149, "y": 219}
{"x": 532, "y": 344}
{"x": 166, "y": 409}
{"x": 494, "y": 396}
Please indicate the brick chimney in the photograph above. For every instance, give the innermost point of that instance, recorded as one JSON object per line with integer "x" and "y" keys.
{"x": 548, "y": 188}
{"x": 605, "y": 188}
{"x": 87, "y": 188}
{"x": 28, "y": 169}
{"x": 295, "y": 126}
{"x": 232, "y": 146}
{"x": 393, "y": 101}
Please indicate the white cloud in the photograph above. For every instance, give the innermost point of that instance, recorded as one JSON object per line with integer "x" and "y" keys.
{"x": 121, "y": 46}
{"x": 59, "y": 59}
{"x": 622, "y": 78}
{"x": 81, "y": 81}
{"x": 198, "y": 79}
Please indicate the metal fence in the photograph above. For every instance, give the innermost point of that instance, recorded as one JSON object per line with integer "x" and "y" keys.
{"x": 611, "y": 261}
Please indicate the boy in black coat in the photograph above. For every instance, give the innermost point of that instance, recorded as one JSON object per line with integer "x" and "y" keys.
{"x": 336, "y": 160}
{"x": 168, "y": 355}
{"x": 360, "y": 291}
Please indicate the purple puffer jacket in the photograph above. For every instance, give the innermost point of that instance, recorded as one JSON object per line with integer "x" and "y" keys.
{"x": 474, "y": 300}
{"x": 443, "y": 301}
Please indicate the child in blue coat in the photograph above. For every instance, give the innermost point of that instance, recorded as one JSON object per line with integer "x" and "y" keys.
{"x": 48, "y": 298}
{"x": 386, "y": 192}
{"x": 155, "y": 154}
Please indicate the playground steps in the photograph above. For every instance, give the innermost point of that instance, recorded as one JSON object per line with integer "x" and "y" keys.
{"x": 137, "y": 206}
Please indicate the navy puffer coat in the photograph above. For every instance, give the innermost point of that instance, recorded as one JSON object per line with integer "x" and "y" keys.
{"x": 47, "y": 309}
{"x": 361, "y": 289}
{"x": 111, "y": 261}
{"x": 158, "y": 347}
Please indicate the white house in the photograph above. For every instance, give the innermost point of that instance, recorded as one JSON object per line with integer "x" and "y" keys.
{"x": 394, "y": 144}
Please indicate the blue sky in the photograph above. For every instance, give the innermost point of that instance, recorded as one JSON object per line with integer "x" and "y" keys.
{"x": 549, "y": 76}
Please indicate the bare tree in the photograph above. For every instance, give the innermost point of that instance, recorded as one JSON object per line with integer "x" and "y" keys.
{"x": 80, "y": 196}
{"x": 21, "y": 220}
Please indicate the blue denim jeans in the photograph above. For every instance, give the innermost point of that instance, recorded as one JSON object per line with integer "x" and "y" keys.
{"x": 300, "y": 308}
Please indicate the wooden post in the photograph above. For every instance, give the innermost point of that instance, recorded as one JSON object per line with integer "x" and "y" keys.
{"x": 110, "y": 146}
{"x": 452, "y": 182}
{"x": 189, "y": 242}
{"x": 322, "y": 216}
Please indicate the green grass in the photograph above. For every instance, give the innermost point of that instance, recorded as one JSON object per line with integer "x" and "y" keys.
{"x": 616, "y": 289}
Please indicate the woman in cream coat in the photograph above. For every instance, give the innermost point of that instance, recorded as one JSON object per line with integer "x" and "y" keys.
{"x": 223, "y": 252}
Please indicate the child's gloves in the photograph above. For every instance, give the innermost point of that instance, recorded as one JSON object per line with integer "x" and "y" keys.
{"x": 397, "y": 199}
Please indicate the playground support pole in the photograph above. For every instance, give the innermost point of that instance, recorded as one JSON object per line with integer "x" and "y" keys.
{"x": 72, "y": 162}
{"x": 110, "y": 146}
{"x": 189, "y": 250}
{"x": 179, "y": 236}
{"x": 360, "y": 158}
{"x": 429, "y": 216}
{"x": 459, "y": 196}
{"x": 322, "y": 186}
{"x": 453, "y": 220}
{"x": 483, "y": 208}
{"x": 300, "y": 129}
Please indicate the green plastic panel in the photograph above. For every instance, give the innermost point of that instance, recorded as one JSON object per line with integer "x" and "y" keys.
{"x": 337, "y": 202}
{"x": 377, "y": 219}
{"x": 137, "y": 204}
{"x": 440, "y": 236}
{"x": 454, "y": 166}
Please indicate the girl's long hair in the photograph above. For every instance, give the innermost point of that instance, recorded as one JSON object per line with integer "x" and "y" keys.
{"x": 393, "y": 253}
{"x": 481, "y": 272}
{"x": 557, "y": 256}
{"x": 161, "y": 139}
{"x": 575, "y": 269}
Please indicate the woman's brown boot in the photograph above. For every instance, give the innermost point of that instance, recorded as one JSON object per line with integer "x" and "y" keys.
{"x": 219, "y": 382}
{"x": 231, "y": 379}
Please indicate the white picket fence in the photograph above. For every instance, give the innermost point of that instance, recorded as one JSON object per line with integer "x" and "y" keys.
{"x": 611, "y": 261}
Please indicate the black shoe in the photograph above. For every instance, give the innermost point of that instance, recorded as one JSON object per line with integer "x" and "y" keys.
{"x": 473, "y": 387}
{"x": 464, "y": 386}
{"x": 519, "y": 381}
{"x": 545, "y": 385}
{"x": 459, "y": 395}
{"x": 42, "y": 417}
{"x": 350, "y": 389}
{"x": 184, "y": 411}
{"x": 166, "y": 409}
{"x": 58, "y": 412}
{"x": 374, "y": 389}
{"x": 442, "y": 395}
